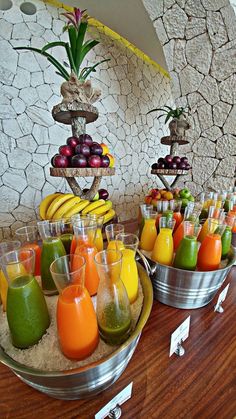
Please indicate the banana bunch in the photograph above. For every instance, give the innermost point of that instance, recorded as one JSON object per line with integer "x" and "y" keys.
{"x": 58, "y": 205}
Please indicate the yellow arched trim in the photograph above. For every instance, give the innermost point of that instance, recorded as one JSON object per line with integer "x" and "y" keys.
{"x": 114, "y": 35}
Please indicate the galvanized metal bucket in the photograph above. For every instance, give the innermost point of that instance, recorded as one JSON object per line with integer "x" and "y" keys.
{"x": 185, "y": 289}
{"x": 90, "y": 380}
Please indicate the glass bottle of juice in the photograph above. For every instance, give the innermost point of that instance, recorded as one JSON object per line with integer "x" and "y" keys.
{"x": 186, "y": 254}
{"x": 66, "y": 234}
{"x": 213, "y": 213}
{"x": 129, "y": 271}
{"x": 149, "y": 233}
{"x": 76, "y": 318}
{"x": 209, "y": 254}
{"x": 190, "y": 213}
{"x": 98, "y": 241}
{"x": 226, "y": 237}
{"x": 141, "y": 216}
{"x": 175, "y": 205}
{"x": 5, "y": 247}
{"x": 113, "y": 306}
{"x": 163, "y": 249}
{"x": 52, "y": 248}
{"x": 28, "y": 236}
{"x": 112, "y": 230}
{"x": 85, "y": 231}
{"x": 27, "y": 312}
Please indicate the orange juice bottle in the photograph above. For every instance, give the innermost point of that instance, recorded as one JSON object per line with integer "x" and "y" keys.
{"x": 76, "y": 318}
{"x": 149, "y": 232}
{"x": 164, "y": 248}
{"x": 209, "y": 254}
{"x": 85, "y": 234}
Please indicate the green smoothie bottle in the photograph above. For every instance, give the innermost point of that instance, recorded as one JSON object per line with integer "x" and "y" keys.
{"x": 52, "y": 248}
{"x": 113, "y": 306}
{"x": 186, "y": 254}
{"x": 27, "y": 312}
{"x": 226, "y": 240}
{"x": 187, "y": 251}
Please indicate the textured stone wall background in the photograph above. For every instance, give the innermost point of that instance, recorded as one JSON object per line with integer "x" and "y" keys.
{"x": 29, "y": 137}
{"x": 199, "y": 42}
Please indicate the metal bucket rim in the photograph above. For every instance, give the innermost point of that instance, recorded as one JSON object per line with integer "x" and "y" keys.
{"x": 144, "y": 315}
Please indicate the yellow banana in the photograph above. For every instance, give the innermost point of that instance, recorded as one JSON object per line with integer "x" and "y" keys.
{"x": 66, "y": 207}
{"x": 102, "y": 209}
{"x": 93, "y": 206}
{"x": 44, "y": 205}
{"x": 77, "y": 208}
{"x": 109, "y": 215}
{"x": 56, "y": 203}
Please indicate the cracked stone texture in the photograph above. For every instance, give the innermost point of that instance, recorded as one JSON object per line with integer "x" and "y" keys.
{"x": 203, "y": 65}
{"x": 29, "y": 136}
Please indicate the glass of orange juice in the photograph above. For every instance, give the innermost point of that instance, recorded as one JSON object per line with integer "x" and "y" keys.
{"x": 28, "y": 236}
{"x": 76, "y": 318}
{"x": 163, "y": 249}
{"x": 129, "y": 271}
{"x": 5, "y": 247}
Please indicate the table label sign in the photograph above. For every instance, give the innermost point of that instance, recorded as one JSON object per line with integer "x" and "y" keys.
{"x": 120, "y": 398}
{"x": 220, "y": 300}
{"x": 179, "y": 336}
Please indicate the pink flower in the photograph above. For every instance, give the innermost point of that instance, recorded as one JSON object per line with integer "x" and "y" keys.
{"x": 75, "y": 17}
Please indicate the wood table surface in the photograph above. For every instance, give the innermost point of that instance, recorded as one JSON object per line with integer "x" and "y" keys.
{"x": 201, "y": 384}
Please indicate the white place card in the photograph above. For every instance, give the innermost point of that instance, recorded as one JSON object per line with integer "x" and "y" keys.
{"x": 220, "y": 300}
{"x": 120, "y": 398}
{"x": 179, "y": 335}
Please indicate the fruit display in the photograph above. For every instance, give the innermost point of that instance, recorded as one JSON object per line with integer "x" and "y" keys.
{"x": 156, "y": 195}
{"x": 82, "y": 152}
{"x": 172, "y": 162}
{"x": 64, "y": 205}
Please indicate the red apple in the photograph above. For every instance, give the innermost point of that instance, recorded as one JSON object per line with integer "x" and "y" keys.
{"x": 78, "y": 160}
{"x": 72, "y": 141}
{"x": 168, "y": 158}
{"x": 60, "y": 161}
{"x": 94, "y": 161}
{"x": 66, "y": 150}
{"x": 103, "y": 194}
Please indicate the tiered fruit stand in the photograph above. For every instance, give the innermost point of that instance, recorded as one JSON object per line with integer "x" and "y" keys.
{"x": 173, "y": 140}
{"x": 77, "y": 115}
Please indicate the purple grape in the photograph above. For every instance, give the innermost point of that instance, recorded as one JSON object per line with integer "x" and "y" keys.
{"x": 155, "y": 166}
{"x": 168, "y": 158}
{"x": 105, "y": 161}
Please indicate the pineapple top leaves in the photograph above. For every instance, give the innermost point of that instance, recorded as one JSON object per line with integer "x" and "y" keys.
{"x": 169, "y": 112}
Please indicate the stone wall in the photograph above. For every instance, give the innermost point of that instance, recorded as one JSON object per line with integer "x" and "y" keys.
{"x": 29, "y": 137}
{"x": 199, "y": 42}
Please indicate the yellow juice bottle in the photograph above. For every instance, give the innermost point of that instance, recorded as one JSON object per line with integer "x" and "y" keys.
{"x": 129, "y": 274}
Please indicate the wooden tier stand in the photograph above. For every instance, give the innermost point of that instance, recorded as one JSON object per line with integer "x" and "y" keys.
{"x": 173, "y": 141}
{"x": 78, "y": 114}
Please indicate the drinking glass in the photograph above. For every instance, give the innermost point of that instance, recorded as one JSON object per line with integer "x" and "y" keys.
{"x": 5, "y": 247}
{"x": 27, "y": 312}
{"x": 52, "y": 248}
{"x": 28, "y": 236}
{"x": 113, "y": 306}
{"x": 76, "y": 318}
{"x": 129, "y": 271}
{"x": 111, "y": 231}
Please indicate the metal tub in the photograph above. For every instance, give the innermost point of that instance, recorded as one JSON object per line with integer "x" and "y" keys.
{"x": 90, "y": 380}
{"x": 186, "y": 289}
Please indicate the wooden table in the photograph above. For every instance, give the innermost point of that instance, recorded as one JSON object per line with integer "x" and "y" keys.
{"x": 201, "y": 384}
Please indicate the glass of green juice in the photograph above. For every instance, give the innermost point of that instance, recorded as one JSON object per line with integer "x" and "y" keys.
{"x": 27, "y": 312}
{"x": 52, "y": 248}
